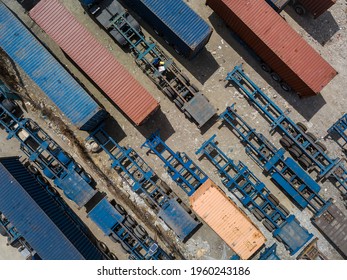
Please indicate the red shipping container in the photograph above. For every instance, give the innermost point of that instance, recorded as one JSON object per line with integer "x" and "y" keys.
{"x": 276, "y": 43}
{"x": 95, "y": 60}
{"x": 317, "y": 7}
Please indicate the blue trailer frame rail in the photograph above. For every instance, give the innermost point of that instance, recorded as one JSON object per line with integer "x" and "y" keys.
{"x": 255, "y": 197}
{"x": 69, "y": 176}
{"x": 340, "y": 127}
{"x": 179, "y": 166}
{"x": 15, "y": 239}
{"x": 302, "y": 145}
{"x": 292, "y": 179}
{"x": 143, "y": 180}
{"x": 285, "y": 172}
{"x": 270, "y": 253}
{"x": 148, "y": 55}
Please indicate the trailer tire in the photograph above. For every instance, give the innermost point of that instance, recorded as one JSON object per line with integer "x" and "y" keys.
{"x": 186, "y": 208}
{"x": 257, "y": 214}
{"x": 300, "y": 10}
{"x": 311, "y": 136}
{"x": 187, "y": 115}
{"x": 283, "y": 209}
{"x": 53, "y": 191}
{"x": 140, "y": 232}
{"x": 3, "y": 232}
{"x": 184, "y": 77}
{"x": 273, "y": 199}
{"x": 165, "y": 188}
{"x": 275, "y": 77}
{"x": 286, "y": 142}
{"x": 168, "y": 92}
{"x": 265, "y": 67}
{"x": 102, "y": 247}
{"x": 321, "y": 146}
{"x": 302, "y": 126}
{"x": 114, "y": 238}
{"x": 120, "y": 209}
{"x": 124, "y": 248}
{"x": 279, "y": 239}
{"x": 178, "y": 104}
{"x": 285, "y": 86}
{"x": 304, "y": 161}
{"x": 295, "y": 151}
{"x": 265, "y": 152}
{"x": 112, "y": 256}
{"x": 10, "y": 105}
{"x": 267, "y": 224}
{"x": 33, "y": 169}
{"x": 130, "y": 222}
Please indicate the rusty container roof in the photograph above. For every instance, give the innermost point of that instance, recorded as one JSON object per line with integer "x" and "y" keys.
{"x": 227, "y": 220}
{"x": 277, "y": 44}
{"x": 95, "y": 60}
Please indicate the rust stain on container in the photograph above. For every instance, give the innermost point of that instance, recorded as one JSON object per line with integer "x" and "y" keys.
{"x": 276, "y": 43}
{"x": 95, "y": 60}
{"x": 227, "y": 220}
{"x": 317, "y": 7}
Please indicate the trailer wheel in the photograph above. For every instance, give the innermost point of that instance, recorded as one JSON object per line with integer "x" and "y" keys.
{"x": 321, "y": 146}
{"x": 258, "y": 214}
{"x": 112, "y": 256}
{"x": 130, "y": 222}
{"x": 42, "y": 180}
{"x": 125, "y": 248}
{"x": 196, "y": 89}
{"x": 16, "y": 244}
{"x": 265, "y": 67}
{"x": 265, "y": 152}
{"x": 302, "y": 126}
{"x": 10, "y": 105}
{"x": 295, "y": 151}
{"x": 120, "y": 209}
{"x": 279, "y": 239}
{"x": 53, "y": 191}
{"x": 268, "y": 225}
{"x": 150, "y": 203}
{"x": 102, "y": 247}
{"x": 300, "y": 10}
{"x": 283, "y": 209}
{"x": 187, "y": 115}
{"x": 114, "y": 238}
{"x": 3, "y": 232}
{"x": 178, "y": 104}
{"x": 140, "y": 232}
{"x": 285, "y": 86}
{"x": 33, "y": 169}
{"x": 275, "y": 77}
{"x": 186, "y": 208}
{"x": 273, "y": 199}
{"x": 165, "y": 188}
{"x": 304, "y": 161}
{"x": 168, "y": 92}
{"x": 286, "y": 142}
{"x": 311, "y": 136}
{"x": 78, "y": 168}
{"x": 184, "y": 77}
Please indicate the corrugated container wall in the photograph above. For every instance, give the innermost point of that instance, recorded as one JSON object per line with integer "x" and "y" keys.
{"x": 277, "y": 44}
{"x": 177, "y": 22}
{"x": 24, "y": 49}
{"x": 317, "y": 7}
{"x": 43, "y": 223}
{"x": 95, "y": 60}
{"x": 227, "y": 220}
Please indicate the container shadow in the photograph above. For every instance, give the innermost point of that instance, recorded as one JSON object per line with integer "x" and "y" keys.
{"x": 321, "y": 29}
{"x": 113, "y": 129}
{"x": 158, "y": 121}
{"x": 202, "y": 66}
{"x": 307, "y": 107}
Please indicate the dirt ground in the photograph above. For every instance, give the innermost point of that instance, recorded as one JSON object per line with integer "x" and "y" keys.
{"x": 327, "y": 35}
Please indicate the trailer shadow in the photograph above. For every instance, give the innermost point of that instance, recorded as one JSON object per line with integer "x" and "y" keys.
{"x": 321, "y": 29}
{"x": 113, "y": 129}
{"x": 307, "y": 107}
{"x": 158, "y": 121}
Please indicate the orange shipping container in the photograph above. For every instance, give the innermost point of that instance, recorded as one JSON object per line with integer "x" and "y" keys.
{"x": 227, "y": 220}
{"x": 95, "y": 60}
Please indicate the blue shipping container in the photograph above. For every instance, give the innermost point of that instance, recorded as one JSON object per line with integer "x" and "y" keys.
{"x": 43, "y": 223}
{"x": 39, "y": 64}
{"x": 176, "y": 22}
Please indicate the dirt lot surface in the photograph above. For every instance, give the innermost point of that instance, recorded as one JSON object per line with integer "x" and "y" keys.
{"x": 208, "y": 70}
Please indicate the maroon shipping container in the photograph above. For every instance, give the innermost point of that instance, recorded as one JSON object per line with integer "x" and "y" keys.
{"x": 317, "y": 7}
{"x": 95, "y": 60}
{"x": 276, "y": 43}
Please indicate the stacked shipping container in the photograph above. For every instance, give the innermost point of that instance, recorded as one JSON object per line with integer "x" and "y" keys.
{"x": 277, "y": 44}
{"x": 95, "y": 60}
